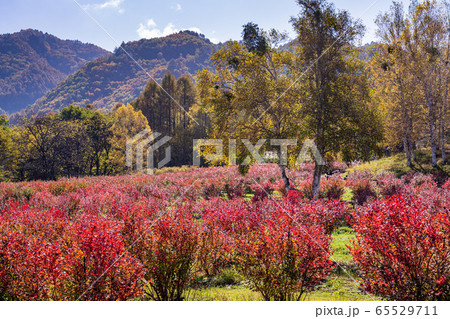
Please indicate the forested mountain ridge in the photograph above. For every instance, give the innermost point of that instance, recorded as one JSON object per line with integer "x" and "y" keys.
{"x": 117, "y": 78}
{"x": 32, "y": 63}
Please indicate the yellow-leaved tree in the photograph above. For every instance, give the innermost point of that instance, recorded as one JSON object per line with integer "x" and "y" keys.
{"x": 127, "y": 123}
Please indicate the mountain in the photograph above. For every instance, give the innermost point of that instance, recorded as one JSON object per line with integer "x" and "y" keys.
{"x": 117, "y": 78}
{"x": 33, "y": 63}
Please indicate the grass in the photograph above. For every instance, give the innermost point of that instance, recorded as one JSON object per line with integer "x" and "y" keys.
{"x": 348, "y": 195}
{"x": 341, "y": 285}
{"x": 397, "y": 164}
{"x": 337, "y": 287}
{"x": 229, "y": 293}
{"x": 341, "y": 238}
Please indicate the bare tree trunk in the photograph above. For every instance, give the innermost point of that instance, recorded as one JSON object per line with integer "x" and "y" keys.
{"x": 406, "y": 123}
{"x": 445, "y": 99}
{"x": 443, "y": 124}
{"x": 287, "y": 182}
{"x": 432, "y": 126}
{"x": 407, "y": 147}
{"x": 316, "y": 180}
{"x": 443, "y": 140}
{"x": 433, "y": 145}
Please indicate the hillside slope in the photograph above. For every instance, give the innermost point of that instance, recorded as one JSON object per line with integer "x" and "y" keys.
{"x": 32, "y": 63}
{"x": 117, "y": 78}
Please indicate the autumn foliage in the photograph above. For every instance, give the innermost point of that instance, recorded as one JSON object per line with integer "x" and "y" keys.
{"x": 147, "y": 237}
{"x": 403, "y": 250}
{"x": 150, "y": 237}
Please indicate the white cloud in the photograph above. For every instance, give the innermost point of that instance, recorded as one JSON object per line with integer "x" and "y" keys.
{"x": 150, "y": 30}
{"x": 151, "y": 23}
{"x": 108, "y": 4}
{"x": 177, "y": 7}
{"x": 195, "y": 29}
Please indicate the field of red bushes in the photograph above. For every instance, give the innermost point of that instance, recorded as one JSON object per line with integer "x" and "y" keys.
{"x": 142, "y": 237}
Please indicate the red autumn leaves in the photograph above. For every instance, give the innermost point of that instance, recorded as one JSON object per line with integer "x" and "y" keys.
{"x": 146, "y": 237}
{"x": 403, "y": 250}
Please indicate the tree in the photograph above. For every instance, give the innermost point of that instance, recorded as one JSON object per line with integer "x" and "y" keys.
{"x": 261, "y": 92}
{"x": 183, "y": 135}
{"x": 148, "y": 103}
{"x": 98, "y": 130}
{"x": 167, "y": 109}
{"x": 49, "y": 148}
{"x": 127, "y": 123}
{"x": 333, "y": 88}
{"x": 185, "y": 95}
{"x": 426, "y": 38}
{"x": 246, "y": 96}
{"x": 394, "y": 83}
{"x": 413, "y": 77}
{"x": 7, "y": 155}
{"x": 168, "y": 106}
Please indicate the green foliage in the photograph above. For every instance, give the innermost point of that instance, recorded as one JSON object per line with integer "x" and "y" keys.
{"x": 334, "y": 93}
{"x": 75, "y": 113}
{"x": 254, "y": 39}
{"x": 76, "y": 142}
{"x": 256, "y": 93}
{"x": 244, "y": 93}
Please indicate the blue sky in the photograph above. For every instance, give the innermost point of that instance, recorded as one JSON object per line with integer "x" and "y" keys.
{"x": 128, "y": 20}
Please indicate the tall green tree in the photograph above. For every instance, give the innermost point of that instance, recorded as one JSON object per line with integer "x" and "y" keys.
{"x": 98, "y": 130}
{"x": 333, "y": 88}
{"x": 185, "y": 95}
{"x": 248, "y": 94}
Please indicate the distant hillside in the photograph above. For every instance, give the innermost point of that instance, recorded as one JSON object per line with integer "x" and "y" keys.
{"x": 33, "y": 63}
{"x": 116, "y": 78}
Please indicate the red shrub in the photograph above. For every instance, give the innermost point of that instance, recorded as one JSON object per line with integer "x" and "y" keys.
{"x": 86, "y": 261}
{"x": 262, "y": 191}
{"x": 294, "y": 196}
{"x": 215, "y": 247}
{"x": 282, "y": 260}
{"x": 402, "y": 250}
{"x": 446, "y": 186}
{"x": 171, "y": 255}
{"x": 363, "y": 191}
{"x": 30, "y": 268}
{"x": 99, "y": 267}
{"x": 332, "y": 188}
{"x": 389, "y": 185}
